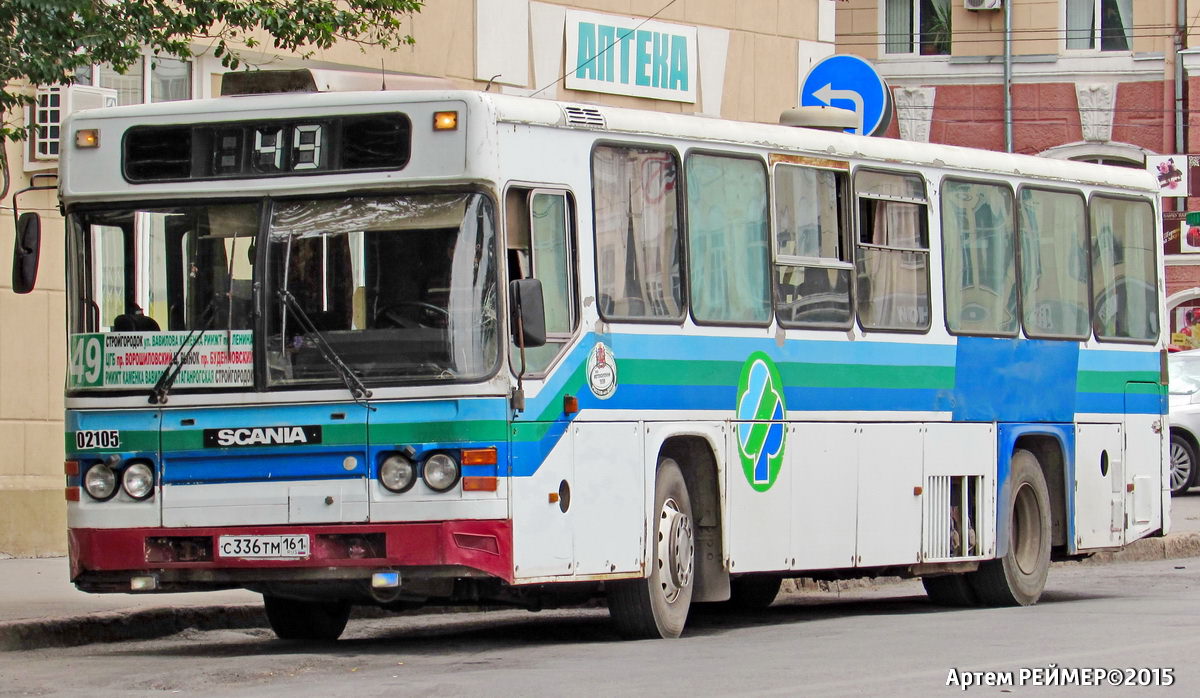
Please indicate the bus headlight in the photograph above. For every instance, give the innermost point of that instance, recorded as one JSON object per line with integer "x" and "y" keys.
{"x": 138, "y": 480}
{"x": 440, "y": 472}
{"x": 100, "y": 482}
{"x": 397, "y": 473}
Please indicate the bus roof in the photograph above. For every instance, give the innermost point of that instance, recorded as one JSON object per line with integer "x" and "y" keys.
{"x": 634, "y": 122}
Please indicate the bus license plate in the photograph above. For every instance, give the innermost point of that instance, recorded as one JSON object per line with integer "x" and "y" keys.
{"x": 263, "y": 547}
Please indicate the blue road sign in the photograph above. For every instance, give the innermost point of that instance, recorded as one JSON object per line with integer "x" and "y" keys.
{"x": 849, "y": 82}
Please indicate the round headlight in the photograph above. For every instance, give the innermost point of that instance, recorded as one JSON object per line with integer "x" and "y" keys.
{"x": 100, "y": 481}
{"x": 138, "y": 480}
{"x": 440, "y": 472}
{"x": 397, "y": 473}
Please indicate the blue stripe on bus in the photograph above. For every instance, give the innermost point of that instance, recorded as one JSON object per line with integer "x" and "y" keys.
{"x": 1015, "y": 380}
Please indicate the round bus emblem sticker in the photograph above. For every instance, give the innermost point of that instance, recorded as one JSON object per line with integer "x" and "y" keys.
{"x": 760, "y": 430}
{"x": 602, "y": 371}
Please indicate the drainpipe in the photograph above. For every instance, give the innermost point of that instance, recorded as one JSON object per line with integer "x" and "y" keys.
{"x": 1180, "y": 28}
{"x": 1008, "y": 115}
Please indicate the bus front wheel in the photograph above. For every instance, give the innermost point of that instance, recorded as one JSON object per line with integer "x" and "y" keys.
{"x": 306, "y": 620}
{"x": 657, "y": 606}
{"x": 1018, "y": 578}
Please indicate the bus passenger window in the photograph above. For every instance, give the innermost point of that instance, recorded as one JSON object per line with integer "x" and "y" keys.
{"x": 893, "y": 252}
{"x": 1054, "y": 266}
{"x": 729, "y": 253}
{"x": 1123, "y": 270}
{"x": 638, "y": 244}
{"x": 812, "y": 267}
{"x": 540, "y": 247}
{"x": 979, "y": 258}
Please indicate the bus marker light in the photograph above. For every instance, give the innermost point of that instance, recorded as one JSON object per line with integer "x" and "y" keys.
{"x": 1129, "y": 487}
{"x": 918, "y": 490}
{"x": 147, "y": 583}
{"x": 479, "y": 456}
{"x": 479, "y": 484}
{"x": 71, "y": 468}
{"x": 72, "y": 494}
{"x": 87, "y": 138}
{"x": 385, "y": 580}
{"x": 445, "y": 121}
{"x": 570, "y": 404}
{"x": 552, "y": 498}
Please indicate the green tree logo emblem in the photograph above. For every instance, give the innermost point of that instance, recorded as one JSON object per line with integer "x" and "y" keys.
{"x": 760, "y": 430}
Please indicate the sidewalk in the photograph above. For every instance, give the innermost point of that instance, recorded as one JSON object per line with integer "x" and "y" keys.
{"x": 39, "y": 607}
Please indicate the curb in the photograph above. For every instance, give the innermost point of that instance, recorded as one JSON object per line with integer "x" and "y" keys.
{"x": 117, "y": 626}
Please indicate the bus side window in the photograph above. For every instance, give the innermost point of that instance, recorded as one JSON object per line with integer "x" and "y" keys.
{"x": 979, "y": 258}
{"x": 1125, "y": 294}
{"x": 727, "y": 232}
{"x": 1054, "y": 269}
{"x": 541, "y": 246}
{"x": 812, "y": 266}
{"x": 893, "y": 252}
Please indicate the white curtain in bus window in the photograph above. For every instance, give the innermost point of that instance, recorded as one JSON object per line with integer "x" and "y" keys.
{"x": 728, "y": 249}
{"x": 893, "y": 252}
{"x": 1054, "y": 271}
{"x": 108, "y": 273}
{"x": 638, "y": 248}
{"x": 812, "y": 276}
{"x": 979, "y": 257}
{"x": 1123, "y": 269}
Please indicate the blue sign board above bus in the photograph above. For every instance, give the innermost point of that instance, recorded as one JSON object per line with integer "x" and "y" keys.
{"x": 849, "y": 82}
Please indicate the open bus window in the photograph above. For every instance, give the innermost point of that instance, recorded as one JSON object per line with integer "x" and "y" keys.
{"x": 1054, "y": 266}
{"x": 812, "y": 267}
{"x": 893, "y": 252}
{"x": 979, "y": 251}
{"x": 540, "y": 246}
{"x": 399, "y": 286}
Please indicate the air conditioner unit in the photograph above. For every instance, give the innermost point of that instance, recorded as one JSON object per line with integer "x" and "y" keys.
{"x": 983, "y": 4}
{"x": 52, "y": 106}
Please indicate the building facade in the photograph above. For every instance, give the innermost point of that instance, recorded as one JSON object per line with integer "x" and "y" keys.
{"x": 737, "y": 60}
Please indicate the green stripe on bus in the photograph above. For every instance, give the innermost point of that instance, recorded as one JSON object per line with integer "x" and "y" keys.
{"x": 1112, "y": 381}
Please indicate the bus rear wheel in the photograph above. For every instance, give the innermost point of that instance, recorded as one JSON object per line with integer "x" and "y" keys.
{"x": 1018, "y": 578}
{"x": 306, "y": 620}
{"x": 657, "y": 606}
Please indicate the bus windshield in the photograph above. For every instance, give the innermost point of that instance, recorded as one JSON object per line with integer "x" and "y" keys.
{"x": 396, "y": 287}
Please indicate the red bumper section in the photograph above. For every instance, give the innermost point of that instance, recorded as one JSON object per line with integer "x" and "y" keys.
{"x": 485, "y": 546}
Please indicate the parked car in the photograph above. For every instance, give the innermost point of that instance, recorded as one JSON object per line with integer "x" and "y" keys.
{"x": 1184, "y": 371}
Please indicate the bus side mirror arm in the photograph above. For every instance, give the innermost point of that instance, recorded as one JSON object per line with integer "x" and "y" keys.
{"x": 528, "y": 327}
{"x": 27, "y": 246}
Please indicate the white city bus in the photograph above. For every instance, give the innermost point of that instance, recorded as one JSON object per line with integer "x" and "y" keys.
{"x": 400, "y": 347}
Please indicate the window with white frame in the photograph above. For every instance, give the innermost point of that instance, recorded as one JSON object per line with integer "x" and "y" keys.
{"x": 169, "y": 79}
{"x": 1106, "y": 25}
{"x": 917, "y": 26}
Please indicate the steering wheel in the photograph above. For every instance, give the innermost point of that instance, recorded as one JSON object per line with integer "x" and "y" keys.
{"x": 410, "y": 314}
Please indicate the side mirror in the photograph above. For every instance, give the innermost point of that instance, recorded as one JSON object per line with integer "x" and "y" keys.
{"x": 528, "y": 312}
{"x": 27, "y": 247}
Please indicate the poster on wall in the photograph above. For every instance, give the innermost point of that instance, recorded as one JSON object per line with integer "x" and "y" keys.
{"x": 1172, "y": 173}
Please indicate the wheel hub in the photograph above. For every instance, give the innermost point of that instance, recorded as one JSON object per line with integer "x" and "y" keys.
{"x": 676, "y": 550}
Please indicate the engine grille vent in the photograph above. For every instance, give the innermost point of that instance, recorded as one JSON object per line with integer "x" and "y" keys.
{"x": 587, "y": 117}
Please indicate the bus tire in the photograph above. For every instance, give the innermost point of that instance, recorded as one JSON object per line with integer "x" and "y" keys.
{"x": 1018, "y": 578}
{"x": 306, "y": 620}
{"x": 949, "y": 590}
{"x": 657, "y": 605}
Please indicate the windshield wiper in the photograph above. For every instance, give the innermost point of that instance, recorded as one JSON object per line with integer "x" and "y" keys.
{"x": 353, "y": 383}
{"x": 158, "y": 395}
